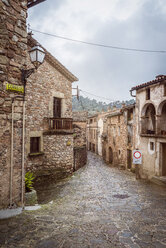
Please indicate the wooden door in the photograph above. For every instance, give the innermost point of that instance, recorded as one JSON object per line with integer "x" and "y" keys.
{"x": 164, "y": 159}
{"x": 129, "y": 158}
{"x": 57, "y": 107}
{"x": 110, "y": 155}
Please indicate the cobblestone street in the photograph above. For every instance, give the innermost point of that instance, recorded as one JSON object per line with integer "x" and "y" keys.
{"x": 98, "y": 206}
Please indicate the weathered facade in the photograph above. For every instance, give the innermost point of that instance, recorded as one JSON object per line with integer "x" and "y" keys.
{"x": 13, "y": 46}
{"x": 114, "y": 139}
{"x": 150, "y": 131}
{"x": 80, "y": 148}
{"x": 49, "y": 132}
{"x": 110, "y": 135}
{"x": 118, "y": 137}
{"x": 48, "y": 144}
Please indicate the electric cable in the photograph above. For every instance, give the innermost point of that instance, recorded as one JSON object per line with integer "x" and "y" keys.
{"x": 99, "y": 45}
{"x": 101, "y": 97}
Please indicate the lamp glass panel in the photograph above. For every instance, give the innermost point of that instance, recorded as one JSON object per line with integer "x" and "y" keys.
{"x": 40, "y": 56}
{"x": 33, "y": 56}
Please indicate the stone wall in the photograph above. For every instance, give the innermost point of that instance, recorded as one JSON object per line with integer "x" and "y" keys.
{"x": 79, "y": 134}
{"x": 116, "y": 144}
{"x": 13, "y": 45}
{"x": 56, "y": 162}
{"x": 80, "y": 157}
{"x": 56, "y": 148}
{"x": 80, "y": 139}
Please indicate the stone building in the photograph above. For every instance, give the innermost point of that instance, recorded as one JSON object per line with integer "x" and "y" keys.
{"x": 92, "y": 128}
{"x": 110, "y": 135}
{"x": 13, "y": 47}
{"x": 114, "y": 138}
{"x": 49, "y": 132}
{"x": 80, "y": 141}
{"x": 118, "y": 137}
{"x": 150, "y": 132}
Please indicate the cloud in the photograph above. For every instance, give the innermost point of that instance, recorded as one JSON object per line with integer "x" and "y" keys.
{"x": 102, "y": 71}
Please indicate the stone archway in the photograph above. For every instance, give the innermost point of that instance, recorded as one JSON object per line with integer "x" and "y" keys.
{"x": 148, "y": 122}
{"x": 162, "y": 118}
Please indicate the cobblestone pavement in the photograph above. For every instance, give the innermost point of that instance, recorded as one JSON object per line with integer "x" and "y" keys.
{"x": 99, "y": 206}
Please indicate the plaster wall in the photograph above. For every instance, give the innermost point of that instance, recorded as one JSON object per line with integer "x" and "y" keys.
{"x": 151, "y": 163}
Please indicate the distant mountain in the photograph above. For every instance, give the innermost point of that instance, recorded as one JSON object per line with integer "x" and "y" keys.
{"x": 91, "y": 105}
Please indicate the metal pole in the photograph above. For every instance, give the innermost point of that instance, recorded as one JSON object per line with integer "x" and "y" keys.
{"x": 23, "y": 152}
{"x": 11, "y": 159}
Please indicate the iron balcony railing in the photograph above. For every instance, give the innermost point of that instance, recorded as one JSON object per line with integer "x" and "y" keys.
{"x": 60, "y": 123}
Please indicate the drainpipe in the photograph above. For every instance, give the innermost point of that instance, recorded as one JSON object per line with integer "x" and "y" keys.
{"x": 23, "y": 152}
{"x": 11, "y": 158}
{"x": 131, "y": 93}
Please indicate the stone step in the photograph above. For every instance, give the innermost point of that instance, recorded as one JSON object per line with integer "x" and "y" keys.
{"x": 159, "y": 180}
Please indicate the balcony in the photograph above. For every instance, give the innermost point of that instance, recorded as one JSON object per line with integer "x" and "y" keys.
{"x": 162, "y": 127}
{"x": 59, "y": 125}
{"x": 157, "y": 129}
{"x": 147, "y": 127}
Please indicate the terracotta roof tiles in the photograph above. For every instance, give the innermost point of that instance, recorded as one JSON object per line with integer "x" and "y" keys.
{"x": 158, "y": 79}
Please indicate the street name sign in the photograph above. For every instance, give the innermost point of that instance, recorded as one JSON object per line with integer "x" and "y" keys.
{"x": 16, "y": 88}
{"x": 137, "y": 157}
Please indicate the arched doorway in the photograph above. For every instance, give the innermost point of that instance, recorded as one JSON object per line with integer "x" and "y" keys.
{"x": 110, "y": 155}
{"x": 148, "y": 123}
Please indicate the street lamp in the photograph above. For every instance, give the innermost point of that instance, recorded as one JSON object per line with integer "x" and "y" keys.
{"x": 37, "y": 55}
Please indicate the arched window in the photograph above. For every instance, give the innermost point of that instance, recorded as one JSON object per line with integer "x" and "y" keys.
{"x": 148, "y": 123}
{"x": 162, "y": 119}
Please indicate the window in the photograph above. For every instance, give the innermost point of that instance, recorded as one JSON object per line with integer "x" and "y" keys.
{"x": 34, "y": 144}
{"x": 119, "y": 131}
{"x": 57, "y": 107}
{"x": 148, "y": 94}
{"x": 152, "y": 146}
{"x": 129, "y": 114}
{"x": 119, "y": 119}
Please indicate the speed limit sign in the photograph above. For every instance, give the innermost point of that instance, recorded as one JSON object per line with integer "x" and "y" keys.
{"x": 137, "y": 157}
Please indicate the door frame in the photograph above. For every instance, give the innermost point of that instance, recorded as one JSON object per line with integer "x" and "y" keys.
{"x": 161, "y": 158}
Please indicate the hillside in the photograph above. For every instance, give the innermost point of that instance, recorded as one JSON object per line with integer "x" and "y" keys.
{"x": 91, "y": 105}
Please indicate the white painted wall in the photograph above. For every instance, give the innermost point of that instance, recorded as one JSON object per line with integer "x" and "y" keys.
{"x": 151, "y": 164}
{"x": 100, "y": 132}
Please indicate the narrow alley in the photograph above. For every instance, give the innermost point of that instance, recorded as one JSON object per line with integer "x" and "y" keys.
{"x": 99, "y": 206}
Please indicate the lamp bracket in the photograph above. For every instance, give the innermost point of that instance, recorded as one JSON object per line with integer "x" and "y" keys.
{"x": 26, "y": 73}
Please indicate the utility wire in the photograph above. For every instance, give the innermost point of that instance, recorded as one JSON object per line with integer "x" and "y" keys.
{"x": 102, "y": 97}
{"x": 100, "y": 45}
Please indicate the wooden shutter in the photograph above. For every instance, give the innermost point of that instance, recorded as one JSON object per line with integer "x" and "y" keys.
{"x": 57, "y": 107}
{"x": 34, "y": 144}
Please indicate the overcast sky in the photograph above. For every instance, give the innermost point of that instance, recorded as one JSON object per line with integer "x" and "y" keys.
{"x": 124, "y": 23}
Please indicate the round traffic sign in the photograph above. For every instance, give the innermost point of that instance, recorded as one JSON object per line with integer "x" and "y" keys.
{"x": 137, "y": 154}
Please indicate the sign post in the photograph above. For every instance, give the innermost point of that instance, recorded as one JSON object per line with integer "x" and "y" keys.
{"x": 137, "y": 157}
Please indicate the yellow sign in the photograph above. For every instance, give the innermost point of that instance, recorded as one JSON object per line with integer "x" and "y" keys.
{"x": 16, "y": 88}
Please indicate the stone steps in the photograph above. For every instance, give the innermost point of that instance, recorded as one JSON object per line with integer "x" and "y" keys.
{"x": 159, "y": 180}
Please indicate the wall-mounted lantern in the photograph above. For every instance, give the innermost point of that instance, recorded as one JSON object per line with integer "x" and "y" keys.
{"x": 37, "y": 56}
